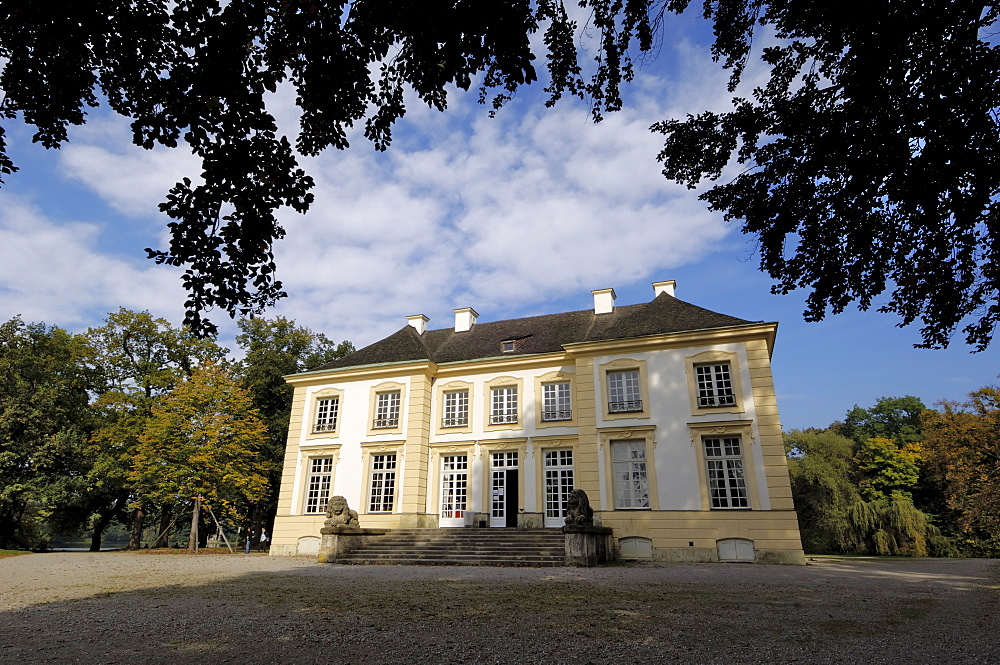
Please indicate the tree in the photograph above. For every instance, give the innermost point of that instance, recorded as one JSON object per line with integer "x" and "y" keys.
{"x": 821, "y": 473}
{"x": 139, "y": 358}
{"x": 868, "y": 160}
{"x": 202, "y": 447}
{"x": 963, "y": 450}
{"x": 274, "y": 349}
{"x": 896, "y": 418}
{"x": 887, "y": 470}
{"x": 44, "y": 423}
{"x": 843, "y": 507}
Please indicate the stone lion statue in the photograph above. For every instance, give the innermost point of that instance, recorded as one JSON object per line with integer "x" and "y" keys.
{"x": 338, "y": 513}
{"x": 578, "y": 510}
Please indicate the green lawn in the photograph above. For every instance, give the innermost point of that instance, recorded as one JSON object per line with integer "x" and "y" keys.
{"x": 6, "y": 553}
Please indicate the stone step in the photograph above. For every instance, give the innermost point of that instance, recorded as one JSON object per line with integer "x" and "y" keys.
{"x": 455, "y": 547}
{"x": 414, "y": 561}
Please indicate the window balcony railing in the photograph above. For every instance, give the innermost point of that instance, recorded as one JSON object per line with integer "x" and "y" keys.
{"x": 713, "y": 401}
{"x": 549, "y": 416}
{"x": 324, "y": 427}
{"x": 503, "y": 418}
{"x": 385, "y": 423}
{"x": 457, "y": 421}
{"x": 625, "y": 407}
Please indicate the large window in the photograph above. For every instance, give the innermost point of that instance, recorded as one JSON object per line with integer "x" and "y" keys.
{"x": 503, "y": 405}
{"x": 629, "y": 475}
{"x": 383, "y": 483}
{"x": 556, "y": 403}
{"x": 456, "y": 409}
{"x": 318, "y": 484}
{"x": 624, "y": 394}
{"x": 715, "y": 385}
{"x": 558, "y": 485}
{"x": 326, "y": 415}
{"x": 724, "y": 463}
{"x": 386, "y": 410}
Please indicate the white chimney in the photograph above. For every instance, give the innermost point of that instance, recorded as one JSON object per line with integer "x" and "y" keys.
{"x": 419, "y": 323}
{"x": 465, "y": 318}
{"x": 604, "y": 301}
{"x": 664, "y": 287}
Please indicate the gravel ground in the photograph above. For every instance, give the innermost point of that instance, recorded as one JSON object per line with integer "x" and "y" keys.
{"x": 132, "y": 608}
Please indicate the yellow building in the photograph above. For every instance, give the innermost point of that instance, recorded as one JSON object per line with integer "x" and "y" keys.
{"x": 663, "y": 412}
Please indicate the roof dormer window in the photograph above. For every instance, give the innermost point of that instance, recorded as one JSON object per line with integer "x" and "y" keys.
{"x": 513, "y": 345}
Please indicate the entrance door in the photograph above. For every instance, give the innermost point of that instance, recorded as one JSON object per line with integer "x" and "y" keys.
{"x": 558, "y": 485}
{"x": 454, "y": 481}
{"x": 503, "y": 489}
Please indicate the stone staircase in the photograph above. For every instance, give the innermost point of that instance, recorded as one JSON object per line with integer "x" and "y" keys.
{"x": 462, "y": 547}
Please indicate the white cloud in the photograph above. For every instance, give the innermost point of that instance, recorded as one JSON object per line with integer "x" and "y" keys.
{"x": 56, "y": 272}
{"x": 499, "y": 214}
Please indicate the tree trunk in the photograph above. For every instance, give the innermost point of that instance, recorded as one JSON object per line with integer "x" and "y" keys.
{"x": 203, "y": 530}
{"x": 95, "y": 540}
{"x": 135, "y": 541}
{"x": 162, "y": 535}
{"x": 193, "y": 538}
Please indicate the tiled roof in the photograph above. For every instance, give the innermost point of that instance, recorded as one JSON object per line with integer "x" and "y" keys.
{"x": 538, "y": 334}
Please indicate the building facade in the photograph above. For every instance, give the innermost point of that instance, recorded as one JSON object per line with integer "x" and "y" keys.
{"x": 663, "y": 412}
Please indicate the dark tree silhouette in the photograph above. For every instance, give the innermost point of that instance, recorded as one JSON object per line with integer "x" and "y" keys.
{"x": 869, "y": 160}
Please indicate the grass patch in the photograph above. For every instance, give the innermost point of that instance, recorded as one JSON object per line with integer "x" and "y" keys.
{"x": 6, "y": 553}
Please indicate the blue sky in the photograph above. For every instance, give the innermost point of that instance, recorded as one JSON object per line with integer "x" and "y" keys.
{"x": 517, "y": 215}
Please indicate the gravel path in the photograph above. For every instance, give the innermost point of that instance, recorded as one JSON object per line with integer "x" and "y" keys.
{"x": 171, "y": 608}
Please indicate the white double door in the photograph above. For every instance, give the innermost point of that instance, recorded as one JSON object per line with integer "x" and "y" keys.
{"x": 454, "y": 490}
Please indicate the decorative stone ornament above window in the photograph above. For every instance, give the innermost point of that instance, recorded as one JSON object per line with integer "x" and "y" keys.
{"x": 385, "y": 411}
{"x": 325, "y": 411}
{"x": 714, "y": 383}
{"x": 503, "y": 403}
{"x": 453, "y": 402}
{"x": 554, "y": 399}
{"x": 624, "y": 385}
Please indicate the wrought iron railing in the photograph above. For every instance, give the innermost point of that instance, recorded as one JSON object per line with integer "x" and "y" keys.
{"x": 457, "y": 421}
{"x": 716, "y": 400}
{"x": 565, "y": 414}
{"x": 503, "y": 418}
{"x": 384, "y": 423}
{"x": 625, "y": 407}
{"x": 324, "y": 427}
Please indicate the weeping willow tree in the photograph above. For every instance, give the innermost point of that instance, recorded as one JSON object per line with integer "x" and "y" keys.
{"x": 842, "y": 509}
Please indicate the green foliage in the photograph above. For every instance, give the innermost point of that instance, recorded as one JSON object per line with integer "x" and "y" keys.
{"x": 845, "y": 508}
{"x": 44, "y": 420}
{"x": 963, "y": 454}
{"x": 276, "y": 348}
{"x": 896, "y": 418}
{"x": 202, "y": 446}
{"x": 891, "y": 526}
{"x": 853, "y": 172}
{"x": 139, "y": 359}
{"x": 820, "y": 469}
{"x": 886, "y": 469}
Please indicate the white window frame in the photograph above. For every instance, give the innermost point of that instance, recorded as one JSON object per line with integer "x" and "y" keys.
{"x": 705, "y": 387}
{"x": 319, "y": 484}
{"x": 387, "y": 409}
{"x": 327, "y": 414}
{"x": 559, "y": 475}
{"x": 503, "y": 405}
{"x": 382, "y": 482}
{"x": 557, "y": 401}
{"x": 455, "y": 408}
{"x": 726, "y": 472}
{"x": 630, "y": 475}
{"x": 624, "y": 391}
{"x": 715, "y": 385}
